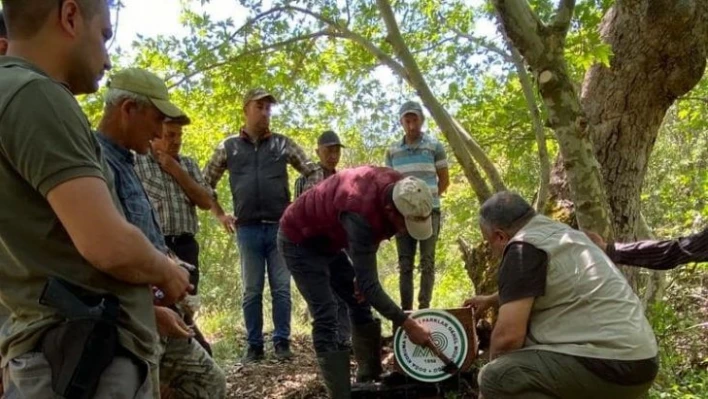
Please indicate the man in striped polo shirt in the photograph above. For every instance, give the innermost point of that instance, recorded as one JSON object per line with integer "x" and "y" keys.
{"x": 421, "y": 155}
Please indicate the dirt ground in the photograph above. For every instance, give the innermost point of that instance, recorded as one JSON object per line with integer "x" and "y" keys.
{"x": 270, "y": 379}
{"x": 299, "y": 378}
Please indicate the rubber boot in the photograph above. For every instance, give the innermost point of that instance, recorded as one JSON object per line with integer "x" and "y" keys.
{"x": 366, "y": 340}
{"x": 334, "y": 367}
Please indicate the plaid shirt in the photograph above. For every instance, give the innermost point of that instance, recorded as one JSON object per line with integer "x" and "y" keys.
{"x": 301, "y": 181}
{"x": 177, "y": 213}
{"x": 216, "y": 167}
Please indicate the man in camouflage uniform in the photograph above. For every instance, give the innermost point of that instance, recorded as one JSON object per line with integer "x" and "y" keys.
{"x": 139, "y": 97}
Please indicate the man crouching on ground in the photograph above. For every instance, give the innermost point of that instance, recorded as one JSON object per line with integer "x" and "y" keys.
{"x": 569, "y": 324}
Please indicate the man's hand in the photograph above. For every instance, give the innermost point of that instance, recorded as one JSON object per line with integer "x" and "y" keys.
{"x": 360, "y": 298}
{"x": 597, "y": 239}
{"x": 167, "y": 162}
{"x": 175, "y": 285}
{"x": 228, "y": 221}
{"x": 417, "y": 332}
{"x": 480, "y": 303}
{"x": 170, "y": 324}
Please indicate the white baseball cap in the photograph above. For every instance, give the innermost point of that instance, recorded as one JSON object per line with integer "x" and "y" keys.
{"x": 413, "y": 199}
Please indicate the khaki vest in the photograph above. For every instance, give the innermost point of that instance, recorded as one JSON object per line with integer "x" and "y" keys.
{"x": 588, "y": 309}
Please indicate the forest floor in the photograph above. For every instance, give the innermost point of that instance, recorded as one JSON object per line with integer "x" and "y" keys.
{"x": 270, "y": 379}
{"x": 680, "y": 324}
{"x": 299, "y": 378}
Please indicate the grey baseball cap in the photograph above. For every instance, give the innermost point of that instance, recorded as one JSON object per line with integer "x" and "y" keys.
{"x": 329, "y": 139}
{"x": 258, "y": 94}
{"x": 411, "y": 107}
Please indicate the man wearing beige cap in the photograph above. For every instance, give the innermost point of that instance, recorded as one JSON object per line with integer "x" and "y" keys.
{"x": 354, "y": 209}
{"x": 257, "y": 161}
{"x": 137, "y": 103}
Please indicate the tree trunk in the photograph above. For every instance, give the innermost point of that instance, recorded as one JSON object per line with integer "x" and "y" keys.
{"x": 542, "y": 46}
{"x": 461, "y": 142}
{"x": 660, "y": 50}
{"x": 480, "y": 265}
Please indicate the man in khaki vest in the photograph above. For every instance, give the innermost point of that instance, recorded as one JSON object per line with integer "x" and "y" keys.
{"x": 569, "y": 325}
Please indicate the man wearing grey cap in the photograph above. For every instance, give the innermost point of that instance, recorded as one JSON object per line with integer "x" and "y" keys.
{"x": 257, "y": 161}
{"x": 420, "y": 155}
{"x": 329, "y": 150}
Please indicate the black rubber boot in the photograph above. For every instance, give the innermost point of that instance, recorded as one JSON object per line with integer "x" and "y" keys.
{"x": 366, "y": 340}
{"x": 334, "y": 367}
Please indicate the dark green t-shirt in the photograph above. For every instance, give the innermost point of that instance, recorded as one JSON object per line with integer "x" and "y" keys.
{"x": 45, "y": 140}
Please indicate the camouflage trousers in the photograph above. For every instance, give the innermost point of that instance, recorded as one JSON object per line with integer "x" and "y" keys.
{"x": 188, "y": 371}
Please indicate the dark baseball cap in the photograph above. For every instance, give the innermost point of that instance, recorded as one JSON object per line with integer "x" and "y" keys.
{"x": 329, "y": 139}
{"x": 258, "y": 94}
{"x": 411, "y": 107}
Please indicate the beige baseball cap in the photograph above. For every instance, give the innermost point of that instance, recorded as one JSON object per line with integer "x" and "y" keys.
{"x": 140, "y": 81}
{"x": 413, "y": 199}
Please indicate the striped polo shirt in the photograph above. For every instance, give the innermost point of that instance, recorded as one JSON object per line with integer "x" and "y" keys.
{"x": 422, "y": 160}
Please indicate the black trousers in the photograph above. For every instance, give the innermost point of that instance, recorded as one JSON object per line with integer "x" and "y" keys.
{"x": 320, "y": 277}
{"x": 186, "y": 247}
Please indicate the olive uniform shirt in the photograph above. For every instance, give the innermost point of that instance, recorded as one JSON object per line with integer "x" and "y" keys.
{"x": 45, "y": 140}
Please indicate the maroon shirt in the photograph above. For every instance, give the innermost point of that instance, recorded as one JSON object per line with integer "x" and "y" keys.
{"x": 363, "y": 191}
{"x": 661, "y": 255}
{"x": 348, "y": 211}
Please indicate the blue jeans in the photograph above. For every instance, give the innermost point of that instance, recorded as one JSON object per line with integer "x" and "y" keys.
{"x": 257, "y": 244}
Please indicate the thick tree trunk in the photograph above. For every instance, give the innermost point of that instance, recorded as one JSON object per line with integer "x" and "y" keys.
{"x": 480, "y": 265}
{"x": 659, "y": 53}
{"x": 542, "y": 46}
{"x": 660, "y": 50}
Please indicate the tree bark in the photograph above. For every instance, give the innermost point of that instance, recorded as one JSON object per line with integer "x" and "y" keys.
{"x": 542, "y": 47}
{"x": 659, "y": 53}
{"x": 656, "y": 60}
{"x": 457, "y": 136}
{"x": 543, "y": 160}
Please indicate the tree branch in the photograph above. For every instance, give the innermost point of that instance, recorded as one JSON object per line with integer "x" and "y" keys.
{"x": 523, "y": 27}
{"x": 564, "y": 14}
{"x": 434, "y": 46}
{"x": 449, "y": 127}
{"x": 536, "y": 122}
{"x": 544, "y": 160}
{"x": 544, "y": 54}
{"x": 349, "y": 13}
{"x": 373, "y": 49}
{"x": 485, "y": 43}
{"x": 229, "y": 40}
{"x": 337, "y": 30}
{"x": 248, "y": 53}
